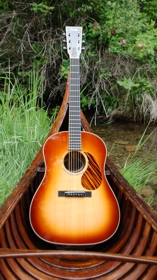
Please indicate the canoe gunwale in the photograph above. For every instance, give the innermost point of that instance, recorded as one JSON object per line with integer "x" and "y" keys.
{"x": 21, "y": 187}
{"x": 139, "y": 203}
{"x": 131, "y": 254}
{"x": 14, "y": 197}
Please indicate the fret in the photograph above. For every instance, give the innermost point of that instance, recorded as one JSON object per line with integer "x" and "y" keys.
{"x": 73, "y": 100}
{"x": 77, "y": 148}
{"x": 75, "y": 132}
{"x": 76, "y": 123}
{"x": 78, "y": 143}
{"x": 73, "y": 126}
{"x": 74, "y": 141}
{"x": 76, "y": 111}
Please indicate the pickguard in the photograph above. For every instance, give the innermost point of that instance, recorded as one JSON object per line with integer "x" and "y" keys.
{"x": 92, "y": 177}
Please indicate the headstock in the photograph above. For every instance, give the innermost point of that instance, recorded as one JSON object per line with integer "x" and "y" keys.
{"x": 74, "y": 41}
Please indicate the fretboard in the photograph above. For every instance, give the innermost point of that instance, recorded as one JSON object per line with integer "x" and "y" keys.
{"x": 74, "y": 106}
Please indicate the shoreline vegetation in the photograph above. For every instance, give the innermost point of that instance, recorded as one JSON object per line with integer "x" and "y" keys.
{"x": 141, "y": 174}
{"x": 118, "y": 69}
{"x": 118, "y": 65}
{"x": 24, "y": 126}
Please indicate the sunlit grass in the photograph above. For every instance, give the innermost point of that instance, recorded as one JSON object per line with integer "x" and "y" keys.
{"x": 23, "y": 128}
{"x": 138, "y": 172}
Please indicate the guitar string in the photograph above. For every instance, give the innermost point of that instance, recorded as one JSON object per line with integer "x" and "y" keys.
{"x": 75, "y": 126}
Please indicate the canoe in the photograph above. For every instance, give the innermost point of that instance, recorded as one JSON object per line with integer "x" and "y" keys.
{"x": 131, "y": 253}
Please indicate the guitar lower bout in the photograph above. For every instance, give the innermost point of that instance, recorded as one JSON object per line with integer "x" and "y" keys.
{"x": 74, "y": 204}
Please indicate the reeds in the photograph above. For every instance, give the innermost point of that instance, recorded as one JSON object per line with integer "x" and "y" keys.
{"x": 138, "y": 172}
{"x": 23, "y": 128}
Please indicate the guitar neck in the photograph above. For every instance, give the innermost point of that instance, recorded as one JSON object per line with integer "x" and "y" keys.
{"x": 74, "y": 106}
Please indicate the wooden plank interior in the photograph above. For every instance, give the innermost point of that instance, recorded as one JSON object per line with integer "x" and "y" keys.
{"x": 136, "y": 235}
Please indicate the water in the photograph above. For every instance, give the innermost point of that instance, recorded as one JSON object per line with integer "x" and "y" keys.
{"x": 130, "y": 133}
{"x": 118, "y": 135}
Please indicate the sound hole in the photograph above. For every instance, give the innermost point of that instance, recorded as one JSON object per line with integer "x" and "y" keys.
{"x": 74, "y": 161}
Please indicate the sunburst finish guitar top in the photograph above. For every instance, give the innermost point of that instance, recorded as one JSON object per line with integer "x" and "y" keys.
{"x": 74, "y": 204}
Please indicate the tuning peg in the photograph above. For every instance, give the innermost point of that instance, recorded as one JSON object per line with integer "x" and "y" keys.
{"x": 64, "y": 34}
{"x": 64, "y": 41}
{"x": 83, "y": 42}
{"x": 83, "y": 34}
{"x": 83, "y": 49}
{"x": 64, "y": 48}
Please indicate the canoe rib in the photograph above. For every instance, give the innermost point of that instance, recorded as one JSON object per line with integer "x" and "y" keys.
{"x": 130, "y": 254}
{"x": 70, "y": 255}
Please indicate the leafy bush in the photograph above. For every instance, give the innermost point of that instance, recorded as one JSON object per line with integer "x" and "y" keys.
{"x": 121, "y": 45}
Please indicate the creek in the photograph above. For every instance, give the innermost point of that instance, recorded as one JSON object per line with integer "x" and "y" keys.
{"x": 122, "y": 137}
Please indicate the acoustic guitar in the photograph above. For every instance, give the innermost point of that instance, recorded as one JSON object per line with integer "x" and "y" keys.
{"x": 74, "y": 204}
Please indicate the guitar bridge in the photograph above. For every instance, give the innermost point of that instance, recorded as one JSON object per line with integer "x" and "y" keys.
{"x": 74, "y": 194}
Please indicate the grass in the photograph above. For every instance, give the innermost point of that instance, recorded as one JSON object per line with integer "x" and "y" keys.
{"x": 142, "y": 176}
{"x": 23, "y": 128}
{"x": 138, "y": 172}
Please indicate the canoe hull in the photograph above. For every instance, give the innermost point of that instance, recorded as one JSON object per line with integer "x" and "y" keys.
{"x": 135, "y": 236}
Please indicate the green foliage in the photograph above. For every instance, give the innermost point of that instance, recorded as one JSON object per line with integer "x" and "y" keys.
{"x": 137, "y": 171}
{"x": 3, "y": 6}
{"x": 121, "y": 37}
{"x": 42, "y": 8}
{"x": 23, "y": 127}
{"x": 65, "y": 68}
{"x": 149, "y": 9}
{"x": 124, "y": 28}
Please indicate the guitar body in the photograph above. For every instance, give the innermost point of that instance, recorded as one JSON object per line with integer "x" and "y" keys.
{"x": 74, "y": 205}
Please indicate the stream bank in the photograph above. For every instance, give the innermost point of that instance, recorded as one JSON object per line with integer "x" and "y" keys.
{"x": 121, "y": 139}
